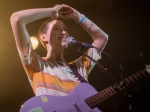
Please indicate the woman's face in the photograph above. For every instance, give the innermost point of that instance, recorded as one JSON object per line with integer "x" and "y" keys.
{"x": 57, "y": 33}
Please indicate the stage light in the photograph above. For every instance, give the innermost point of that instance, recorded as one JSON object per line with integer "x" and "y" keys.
{"x": 34, "y": 41}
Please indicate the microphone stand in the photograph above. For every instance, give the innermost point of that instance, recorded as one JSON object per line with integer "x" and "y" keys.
{"x": 130, "y": 96}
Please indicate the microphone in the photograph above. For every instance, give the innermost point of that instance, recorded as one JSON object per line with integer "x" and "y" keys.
{"x": 73, "y": 42}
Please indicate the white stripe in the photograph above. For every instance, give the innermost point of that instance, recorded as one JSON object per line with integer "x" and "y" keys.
{"x": 44, "y": 91}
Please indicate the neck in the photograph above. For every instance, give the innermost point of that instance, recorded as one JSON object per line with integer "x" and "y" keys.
{"x": 55, "y": 54}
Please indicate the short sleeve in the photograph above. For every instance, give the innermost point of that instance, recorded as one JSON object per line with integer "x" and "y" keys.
{"x": 29, "y": 61}
{"x": 84, "y": 64}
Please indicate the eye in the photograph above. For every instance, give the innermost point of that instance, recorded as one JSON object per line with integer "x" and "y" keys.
{"x": 65, "y": 29}
{"x": 56, "y": 28}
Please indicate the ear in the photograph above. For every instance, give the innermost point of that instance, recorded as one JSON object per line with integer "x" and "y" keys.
{"x": 43, "y": 37}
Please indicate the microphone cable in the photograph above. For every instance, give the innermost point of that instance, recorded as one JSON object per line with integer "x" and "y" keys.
{"x": 120, "y": 66}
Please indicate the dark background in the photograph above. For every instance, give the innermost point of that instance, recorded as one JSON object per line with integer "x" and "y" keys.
{"x": 125, "y": 21}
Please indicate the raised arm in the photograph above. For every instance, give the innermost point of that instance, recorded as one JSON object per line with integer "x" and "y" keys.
{"x": 99, "y": 37}
{"x": 21, "y": 18}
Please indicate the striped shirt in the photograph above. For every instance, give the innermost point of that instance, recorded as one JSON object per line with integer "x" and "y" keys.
{"x": 49, "y": 77}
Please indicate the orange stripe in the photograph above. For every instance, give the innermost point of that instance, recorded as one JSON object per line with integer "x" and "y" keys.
{"x": 46, "y": 78}
{"x": 53, "y": 88}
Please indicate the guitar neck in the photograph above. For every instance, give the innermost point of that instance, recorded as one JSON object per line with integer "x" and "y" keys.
{"x": 101, "y": 96}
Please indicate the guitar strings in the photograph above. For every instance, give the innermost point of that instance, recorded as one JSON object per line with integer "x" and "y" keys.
{"x": 69, "y": 109}
{"x": 82, "y": 107}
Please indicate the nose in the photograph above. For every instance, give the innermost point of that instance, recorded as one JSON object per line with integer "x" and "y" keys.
{"x": 63, "y": 32}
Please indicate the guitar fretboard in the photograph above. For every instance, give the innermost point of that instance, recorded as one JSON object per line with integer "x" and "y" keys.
{"x": 101, "y": 96}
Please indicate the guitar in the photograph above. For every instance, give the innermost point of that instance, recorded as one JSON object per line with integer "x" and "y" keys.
{"x": 83, "y": 98}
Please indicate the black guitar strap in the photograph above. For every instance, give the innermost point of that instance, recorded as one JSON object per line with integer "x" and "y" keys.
{"x": 74, "y": 69}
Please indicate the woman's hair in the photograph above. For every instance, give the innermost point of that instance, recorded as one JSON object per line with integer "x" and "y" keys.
{"x": 43, "y": 29}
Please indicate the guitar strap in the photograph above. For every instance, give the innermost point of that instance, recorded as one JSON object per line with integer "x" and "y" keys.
{"x": 74, "y": 69}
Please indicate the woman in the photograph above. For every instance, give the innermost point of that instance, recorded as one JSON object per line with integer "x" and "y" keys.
{"x": 51, "y": 74}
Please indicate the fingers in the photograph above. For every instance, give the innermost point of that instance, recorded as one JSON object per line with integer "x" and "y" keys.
{"x": 63, "y": 8}
{"x": 56, "y": 9}
{"x": 66, "y": 10}
{"x": 63, "y": 11}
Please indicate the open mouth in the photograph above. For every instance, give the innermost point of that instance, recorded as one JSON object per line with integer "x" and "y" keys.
{"x": 62, "y": 39}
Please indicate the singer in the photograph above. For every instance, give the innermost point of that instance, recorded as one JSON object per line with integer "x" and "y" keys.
{"x": 52, "y": 75}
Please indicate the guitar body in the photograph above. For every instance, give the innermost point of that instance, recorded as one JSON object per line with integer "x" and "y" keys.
{"x": 75, "y": 101}
{"x": 69, "y": 103}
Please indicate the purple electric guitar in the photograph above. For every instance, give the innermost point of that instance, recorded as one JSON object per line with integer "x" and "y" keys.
{"x": 83, "y": 98}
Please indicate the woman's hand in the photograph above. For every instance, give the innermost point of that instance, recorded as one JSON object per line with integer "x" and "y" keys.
{"x": 55, "y": 11}
{"x": 65, "y": 12}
